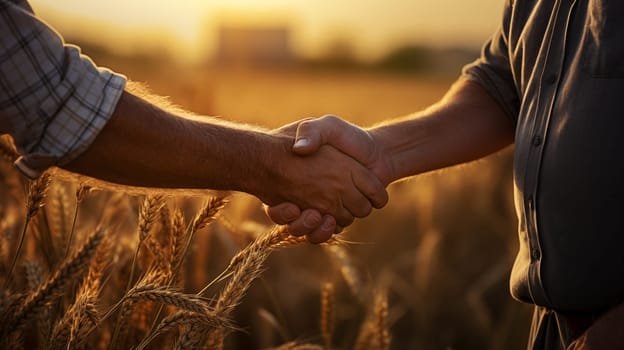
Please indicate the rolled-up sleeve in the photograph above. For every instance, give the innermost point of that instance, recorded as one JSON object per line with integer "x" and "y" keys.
{"x": 53, "y": 100}
{"x": 492, "y": 69}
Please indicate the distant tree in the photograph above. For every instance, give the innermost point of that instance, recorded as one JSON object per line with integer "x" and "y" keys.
{"x": 410, "y": 58}
{"x": 340, "y": 53}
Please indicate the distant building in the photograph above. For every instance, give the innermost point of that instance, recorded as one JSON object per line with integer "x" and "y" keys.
{"x": 254, "y": 46}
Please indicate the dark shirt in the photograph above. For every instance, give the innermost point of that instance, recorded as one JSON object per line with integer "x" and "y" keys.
{"x": 557, "y": 68}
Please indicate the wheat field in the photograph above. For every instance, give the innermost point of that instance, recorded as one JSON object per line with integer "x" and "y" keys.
{"x": 84, "y": 266}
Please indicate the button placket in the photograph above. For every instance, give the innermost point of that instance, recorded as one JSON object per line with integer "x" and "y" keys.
{"x": 547, "y": 93}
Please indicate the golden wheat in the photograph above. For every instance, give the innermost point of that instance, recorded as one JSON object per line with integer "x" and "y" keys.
{"x": 328, "y": 317}
{"x": 34, "y": 201}
{"x": 374, "y": 333}
{"x": 49, "y": 290}
{"x": 162, "y": 233}
{"x": 295, "y": 345}
{"x": 349, "y": 272}
{"x": 7, "y": 149}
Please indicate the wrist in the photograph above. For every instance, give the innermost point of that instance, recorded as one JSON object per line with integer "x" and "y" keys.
{"x": 267, "y": 182}
{"x": 384, "y": 166}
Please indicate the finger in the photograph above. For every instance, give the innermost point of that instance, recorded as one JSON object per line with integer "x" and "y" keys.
{"x": 309, "y": 220}
{"x": 309, "y": 136}
{"x": 324, "y": 231}
{"x": 342, "y": 135}
{"x": 338, "y": 230}
{"x": 343, "y": 217}
{"x": 283, "y": 213}
{"x": 371, "y": 187}
{"x": 357, "y": 204}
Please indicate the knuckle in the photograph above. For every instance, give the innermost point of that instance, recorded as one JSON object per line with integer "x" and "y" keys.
{"x": 304, "y": 125}
{"x": 330, "y": 118}
{"x": 324, "y": 206}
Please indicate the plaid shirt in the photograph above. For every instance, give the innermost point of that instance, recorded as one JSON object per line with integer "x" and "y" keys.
{"x": 53, "y": 100}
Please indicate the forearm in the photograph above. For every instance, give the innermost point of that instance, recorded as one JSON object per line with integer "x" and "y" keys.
{"x": 465, "y": 125}
{"x": 144, "y": 145}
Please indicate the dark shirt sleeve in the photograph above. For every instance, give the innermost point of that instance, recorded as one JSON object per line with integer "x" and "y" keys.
{"x": 492, "y": 69}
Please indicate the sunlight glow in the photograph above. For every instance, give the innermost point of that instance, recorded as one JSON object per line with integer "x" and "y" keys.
{"x": 372, "y": 26}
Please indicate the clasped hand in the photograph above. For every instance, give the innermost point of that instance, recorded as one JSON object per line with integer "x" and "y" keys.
{"x": 336, "y": 172}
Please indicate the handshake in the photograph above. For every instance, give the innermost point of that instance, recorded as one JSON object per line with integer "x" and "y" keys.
{"x": 330, "y": 173}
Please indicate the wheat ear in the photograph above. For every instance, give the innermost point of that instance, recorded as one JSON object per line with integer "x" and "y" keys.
{"x": 328, "y": 316}
{"x": 185, "y": 318}
{"x": 35, "y": 200}
{"x": 246, "y": 270}
{"x": 77, "y": 322}
{"x": 295, "y": 345}
{"x": 7, "y": 150}
{"x": 49, "y": 290}
{"x": 349, "y": 272}
{"x": 148, "y": 213}
{"x": 374, "y": 333}
{"x": 206, "y": 215}
{"x": 169, "y": 296}
{"x": 81, "y": 193}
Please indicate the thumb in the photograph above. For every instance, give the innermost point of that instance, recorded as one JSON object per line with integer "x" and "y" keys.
{"x": 309, "y": 136}
{"x": 338, "y": 133}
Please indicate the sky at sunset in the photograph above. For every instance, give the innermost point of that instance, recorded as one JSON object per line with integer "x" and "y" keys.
{"x": 372, "y": 26}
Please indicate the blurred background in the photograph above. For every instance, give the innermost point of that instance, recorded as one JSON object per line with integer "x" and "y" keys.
{"x": 445, "y": 243}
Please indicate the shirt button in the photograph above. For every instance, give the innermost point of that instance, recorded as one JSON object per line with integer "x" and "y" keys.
{"x": 535, "y": 254}
{"x": 537, "y": 140}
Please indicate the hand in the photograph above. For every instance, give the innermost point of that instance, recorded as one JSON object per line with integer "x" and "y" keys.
{"x": 348, "y": 138}
{"x": 310, "y": 134}
{"x": 332, "y": 183}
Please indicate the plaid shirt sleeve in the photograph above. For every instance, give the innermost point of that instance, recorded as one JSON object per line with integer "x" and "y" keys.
{"x": 53, "y": 100}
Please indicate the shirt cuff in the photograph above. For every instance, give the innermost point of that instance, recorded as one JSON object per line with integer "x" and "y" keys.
{"x": 501, "y": 90}
{"x": 91, "y": 95}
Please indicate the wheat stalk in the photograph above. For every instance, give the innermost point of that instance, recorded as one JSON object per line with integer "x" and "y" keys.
{"x": 167, "y": 295}
{"x": 34, "y": 201}
{"x": 295, "y": 345}
{"x": 328, "y": 316}
{"x": 148, "y": 214}
{"x": 73, "y": 328}
{"x": 49, "y": 290}
{"x": 34, "y": 277}
{"x": 193, "y": 338}
{"x": 34, "y": 274}
{"x": 349, "y": 272}
{"x": 381, "y": 334}
{"x": 206, "y": 215}
{"x": 374, "y": 333}
{"x": 184, "y": 318}
{"x": 247, "y": 266}
{"x": 58, "y": 208}
{"x": 81, "y": 193}
{"x": 82, "y": 316}
{"x": 280, "y": 239}
{"x": 7, "y": 150}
